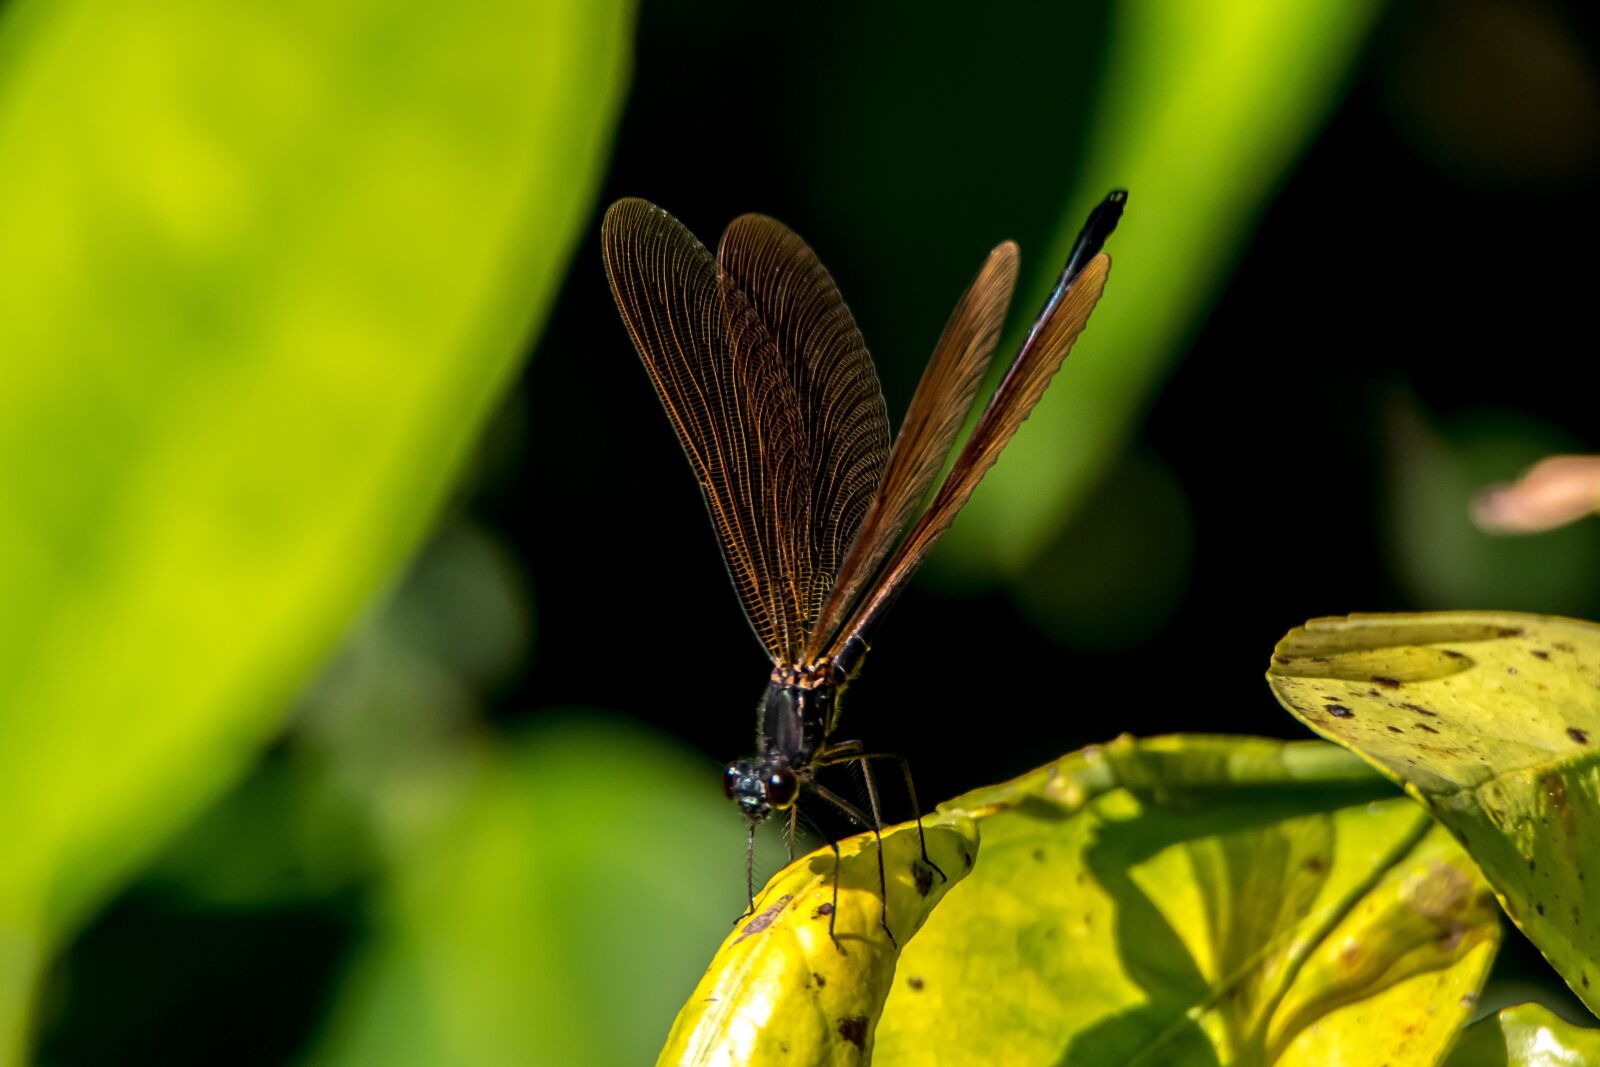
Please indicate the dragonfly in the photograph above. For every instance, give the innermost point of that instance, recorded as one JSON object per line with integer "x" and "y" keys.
{"x": 821, "y": 518}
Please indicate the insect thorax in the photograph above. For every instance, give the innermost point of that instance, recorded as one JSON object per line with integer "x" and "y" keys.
{"x": 797, "y": 711}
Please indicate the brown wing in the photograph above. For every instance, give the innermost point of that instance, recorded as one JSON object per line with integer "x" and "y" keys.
{"x": 938, "y": 408}
{"x": 733, "y": 406}
{"x": 1047, "y": 345}
{"x": 842, "y": 423}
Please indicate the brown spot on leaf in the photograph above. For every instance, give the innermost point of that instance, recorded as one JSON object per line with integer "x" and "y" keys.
{"x": 1339, "y": 711}
{"x": 1316, "y": 865}
{"x": 1425, "y": 726}
{"x": 1445, "y": 898}
{"x": 1453, "y": 654}
{"x": 822, "y": 911}
{"x": 1420, "y": 710}
{"x": 1539, "y": 908}
{"x": 853, "y": 1028}
{"x": 1577, "y": 735}
{"x": 1511, "y": 670}
{"x": 820, "y": 979}
{"x": 1533, "y": 865}
{"x": 1385, "y": 681}
{"x": 764, "y": 920}
{"x": 1555, "y": 791}
{"x": 1540, "y": 653}
{"x": 1038, "y": 854}
{"x": 915, "y": 983}
{"x": 1509, "y": 631}
{"x": 923, "y": 877}
{"x": 1396, "y": 730}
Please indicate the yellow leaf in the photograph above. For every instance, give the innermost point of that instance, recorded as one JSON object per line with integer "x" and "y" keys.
{"x": 1527, "y": 1035}
{"x": 1492, "y": 720}
{"x": 781, "y": 989}
{"x": 1197, "y": 900}
{"x": 1178, "y": 900}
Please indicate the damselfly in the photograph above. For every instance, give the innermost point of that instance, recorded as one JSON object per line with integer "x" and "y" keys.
{"x": 766, "y": 380}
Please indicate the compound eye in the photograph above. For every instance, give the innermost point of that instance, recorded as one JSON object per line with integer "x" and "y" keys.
{"x": 781, "y": 788}
{"x": 730, "y": 780}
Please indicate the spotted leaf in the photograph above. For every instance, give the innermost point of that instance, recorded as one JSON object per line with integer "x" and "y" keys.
{"x": 1492, "y": 720}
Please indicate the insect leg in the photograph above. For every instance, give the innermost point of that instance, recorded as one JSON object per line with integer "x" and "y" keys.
{"x": 850, "y": 751}
{"x": 859, "y": 817}
{"x": 833, "y": 915}
{"x": 750, "y": 872}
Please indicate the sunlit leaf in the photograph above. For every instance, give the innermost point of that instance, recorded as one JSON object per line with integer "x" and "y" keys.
{"x": 1196, "y": 900}
{"x": 1528, "y": 1035}
{"x": 1208, "y": 105}
{"x": 783, "y": 990}
{"x": 1183, "y": 900}
{"x": 265, "y": 269}
{"x": 1492, "y": 720}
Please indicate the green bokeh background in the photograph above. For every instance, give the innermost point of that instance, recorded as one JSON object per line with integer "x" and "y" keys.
{"x": 365, "y": 661}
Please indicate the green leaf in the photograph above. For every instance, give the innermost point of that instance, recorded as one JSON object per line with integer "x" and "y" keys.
{"x": 1492, "y": 720}
{"x": 1182, "y": 900}
{"x": 555, "y": 912}
{"x": 265, "y": 272}
{"x": 1207, "y": 107}
{"x": 1527, "y": 1035}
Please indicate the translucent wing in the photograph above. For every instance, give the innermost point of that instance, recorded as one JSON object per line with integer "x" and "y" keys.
{"x": 839, "y": 413}
{"x": 1047, "y": 345}
{"x": 734, "y": 405}
{"x": 938, "y": 408}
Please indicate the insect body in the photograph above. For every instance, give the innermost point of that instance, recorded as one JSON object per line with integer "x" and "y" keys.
{"x": 768, "y": 384}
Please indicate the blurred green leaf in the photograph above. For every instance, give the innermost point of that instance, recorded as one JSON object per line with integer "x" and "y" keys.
{"x": 264, "y": 273}
{"x": 1206, "y": 107}
{"x": 558, "y": 914}
{"x": 1492, "y": 720}
{"x": 286, "y": 834}
{"x": 1528, "y": 1035}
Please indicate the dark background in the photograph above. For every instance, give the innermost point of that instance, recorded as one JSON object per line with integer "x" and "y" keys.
{"x": 1410, "y": 318}
{"x": 1426, "y": 252}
